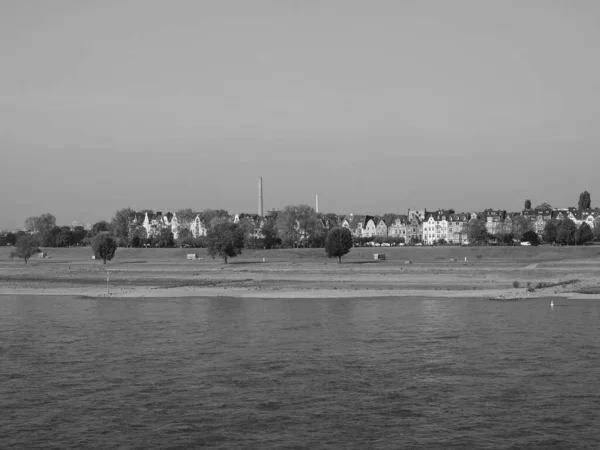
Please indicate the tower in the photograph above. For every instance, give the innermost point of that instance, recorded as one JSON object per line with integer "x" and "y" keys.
{"x": 260, "y": 197}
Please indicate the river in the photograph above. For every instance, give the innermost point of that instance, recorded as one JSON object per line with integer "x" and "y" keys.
{"x": 390, "y": 373}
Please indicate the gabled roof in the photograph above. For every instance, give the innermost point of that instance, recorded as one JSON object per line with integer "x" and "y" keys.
{"x": 379, "y": 220}
{"x": 389, "y": 218}
{"x": 354, "y": 220}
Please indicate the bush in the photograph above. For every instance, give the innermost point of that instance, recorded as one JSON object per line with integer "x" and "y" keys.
{"x": 531, "y": 237}
{"x": 225, "y": 240}
{"x": 104, "y": 247}
{"x": 26, "y": 246}
{"x": 516, "y": 284}
{"x": 339, "y": 242}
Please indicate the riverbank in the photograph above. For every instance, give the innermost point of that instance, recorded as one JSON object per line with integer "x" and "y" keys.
{"x": 483, "y": 272}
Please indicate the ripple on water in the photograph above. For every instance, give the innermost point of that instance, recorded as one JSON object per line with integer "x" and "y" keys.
{"x": 290, "y": 374}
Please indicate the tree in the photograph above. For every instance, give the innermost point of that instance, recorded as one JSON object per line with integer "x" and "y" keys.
{"x": 531, "y": 237}
{"x": 185, "y": 217}
{"x": 120, "y": 222}
{"x": 64, "y": 237}
{"x": 104, "y": 246}
{"x": 476, "y": 230}
{"x": 29, "y": 224}
{"x": 585, "y": 201}
{"x": 338, "y": 243}
{"x": 77, "y": 235}
{"x": 319, "y": 234}
{"x": 40, "y": 224}
{"x": 137, "y": 235}
{"x": 226, "y": 240}
{"x": 26, "y": 246}
{"x": 11, "y": 238}
{"x": 551, "y": 230}
{"x": 209, "y": 215}
{"x": 520, "y": 225}
{"x": 566, "y": 232}
{"x": 136, "y": 241}
{"x": 295, "y": 224}
{"x": 597, "y": 228}
{"x": 99, "y": 227}
{"x": 544, "y": 206}
{"x": 584, "y": 234}
{"x": 44, "y": 227}
{"x": 269, "y": 232}
{"x": 249, "y": 226}
{"x": 47, "y": 237}
{"x": 165, "y": 238}
{"x": 185, "y": 237}
{"x": 527, "y": 204}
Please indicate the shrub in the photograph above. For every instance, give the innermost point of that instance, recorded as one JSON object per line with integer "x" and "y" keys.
{"x": 516, "y": 284}
{"x": 225, "y": 240}
{"x": 104, "y": 247}
{"x": 26, "y": 247}
{"x": 338, "y": 243}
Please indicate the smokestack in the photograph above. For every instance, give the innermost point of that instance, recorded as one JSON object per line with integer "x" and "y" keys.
{"x": 260, "y": 197}
{"x": 317, "y": 202}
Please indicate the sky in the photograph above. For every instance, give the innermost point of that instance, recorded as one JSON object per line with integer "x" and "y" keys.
{"x": 376, "y": 106}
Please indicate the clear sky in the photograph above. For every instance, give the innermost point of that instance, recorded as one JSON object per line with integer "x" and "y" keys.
{"x": 377, "y": 106}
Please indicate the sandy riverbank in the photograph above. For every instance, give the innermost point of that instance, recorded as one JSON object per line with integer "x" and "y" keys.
{"x": 487, "y": 272}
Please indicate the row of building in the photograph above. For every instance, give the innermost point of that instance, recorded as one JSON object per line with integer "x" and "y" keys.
{"x": 418, "y": 225}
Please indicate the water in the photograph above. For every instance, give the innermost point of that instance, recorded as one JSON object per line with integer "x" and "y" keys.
{"x": 299, "y": 374}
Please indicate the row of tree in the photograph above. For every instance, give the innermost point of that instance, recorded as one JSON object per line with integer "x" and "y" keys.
{"x": 584, "y": 202}
{"x": 555, "y": 231}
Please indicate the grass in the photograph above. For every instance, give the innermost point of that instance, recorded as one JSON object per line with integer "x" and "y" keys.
{"x": 399, "y": 254}
{"x": 542, "y": 285}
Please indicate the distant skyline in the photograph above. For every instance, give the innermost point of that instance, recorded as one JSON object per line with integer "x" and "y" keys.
{"x": 376, "y": 106}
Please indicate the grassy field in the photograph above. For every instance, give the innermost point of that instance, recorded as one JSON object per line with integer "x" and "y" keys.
{"x": 302, "y": 272}
{"x": 362, "y": 254}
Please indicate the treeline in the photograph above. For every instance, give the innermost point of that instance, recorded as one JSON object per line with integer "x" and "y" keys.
{"x": 563, "y": 232}
{"x": 294, "y": 226}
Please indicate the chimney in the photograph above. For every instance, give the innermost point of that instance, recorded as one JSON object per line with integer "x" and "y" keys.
{"x": 260, "y": 197}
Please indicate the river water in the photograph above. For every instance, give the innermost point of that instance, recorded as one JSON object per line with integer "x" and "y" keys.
{"x": 299, "y": 374}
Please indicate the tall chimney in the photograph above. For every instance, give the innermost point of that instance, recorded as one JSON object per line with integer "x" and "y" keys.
{"x": 260, "y": 197}
{"x": 317, "y": 202}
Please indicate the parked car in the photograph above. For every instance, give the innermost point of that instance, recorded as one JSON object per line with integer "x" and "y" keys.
{"x": 526, "y": 243}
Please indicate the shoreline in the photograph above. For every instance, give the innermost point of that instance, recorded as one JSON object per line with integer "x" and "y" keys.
{"x": 294, "y": 293}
